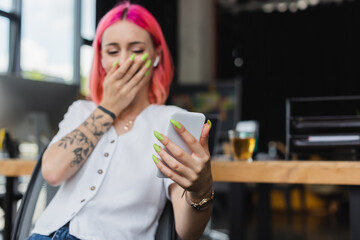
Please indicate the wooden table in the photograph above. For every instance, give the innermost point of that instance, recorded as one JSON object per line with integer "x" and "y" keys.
{"x": 303, "y": 172}
{"x": 16, "y": 167}
{"x": 300, "y": 172}
{"x": 288, "y": 172}
{"x": 11, "y": 169}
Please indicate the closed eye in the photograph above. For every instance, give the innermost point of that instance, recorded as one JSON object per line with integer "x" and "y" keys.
{"x": 112, "y": 52}
{"x": 138, "y": 51}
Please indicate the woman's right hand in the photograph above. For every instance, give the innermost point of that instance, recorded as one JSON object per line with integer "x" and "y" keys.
{"x": 123, "y": 82}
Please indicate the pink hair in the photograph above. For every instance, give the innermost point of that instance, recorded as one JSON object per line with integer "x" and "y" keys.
{"x": 163, "y": 73}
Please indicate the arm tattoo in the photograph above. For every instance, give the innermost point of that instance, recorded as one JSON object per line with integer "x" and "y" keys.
{"x": 97, "y": 129}
{"x": 83, "y": 145}
{"x": 83, "y": 149}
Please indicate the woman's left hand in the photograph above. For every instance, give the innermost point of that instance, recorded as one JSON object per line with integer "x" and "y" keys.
{"x": 191, "y": 172}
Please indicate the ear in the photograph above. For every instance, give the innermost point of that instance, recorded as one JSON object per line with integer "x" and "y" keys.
{"x": 158, "y": 55}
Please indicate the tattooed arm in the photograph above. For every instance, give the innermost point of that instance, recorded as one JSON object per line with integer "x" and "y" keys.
{"x": 64, "y": 158}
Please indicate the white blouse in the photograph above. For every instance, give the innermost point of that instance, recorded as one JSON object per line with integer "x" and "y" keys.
{"x": 115, "y": 194}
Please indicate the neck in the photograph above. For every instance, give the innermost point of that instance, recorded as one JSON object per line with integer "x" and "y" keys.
{"x": 140, "y": 102}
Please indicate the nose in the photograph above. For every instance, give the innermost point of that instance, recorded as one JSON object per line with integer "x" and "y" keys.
{"x": 123, "y": 56}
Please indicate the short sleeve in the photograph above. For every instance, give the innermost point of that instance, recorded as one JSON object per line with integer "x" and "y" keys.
{"x": 77, "y": 113}
{"x": 167, "y": 183}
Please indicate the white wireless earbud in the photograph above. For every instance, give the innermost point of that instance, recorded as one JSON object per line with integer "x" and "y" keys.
{"x": 102, "y": 64}
{"x": 156, "y": 62}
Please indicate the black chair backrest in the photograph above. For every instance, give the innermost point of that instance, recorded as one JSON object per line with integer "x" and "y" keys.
{"x": 26, "y": 216}
{"x": 214, "y": 135}
{"x": 39, "y": 194}
{"x": 166, "y": 227}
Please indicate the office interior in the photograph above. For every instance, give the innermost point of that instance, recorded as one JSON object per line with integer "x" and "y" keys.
{"x": 290, "y": 66}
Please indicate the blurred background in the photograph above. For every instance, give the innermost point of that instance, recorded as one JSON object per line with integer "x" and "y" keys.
{"x": 235, "y": 60}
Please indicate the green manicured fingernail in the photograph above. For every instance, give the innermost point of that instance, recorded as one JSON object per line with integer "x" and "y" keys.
{"x": 147, "y": 73}
{"x": 115, "y": 63}
{"x": 209, "y": 122}
{"x": 145, "y": 56}
{"x": 155, "y": 159}
{"x": 175, "y": 123}
{"x": 148, "y": 63}
{"x": 158, "y": 135}
{"x": 132, "y": 57}
{"x": 157, "y": 147}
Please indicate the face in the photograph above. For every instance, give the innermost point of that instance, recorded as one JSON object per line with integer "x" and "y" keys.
{"x": 122, "y": 39}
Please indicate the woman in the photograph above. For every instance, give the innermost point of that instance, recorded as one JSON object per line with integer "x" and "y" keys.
{"x": 101, "y": 154}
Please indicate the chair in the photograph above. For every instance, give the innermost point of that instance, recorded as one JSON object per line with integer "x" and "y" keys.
{"x": 39, "y": 194}
{"x": 8, "y": 200}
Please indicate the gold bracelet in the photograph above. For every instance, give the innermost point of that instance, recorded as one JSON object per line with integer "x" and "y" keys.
{"x": 203, "y": 204}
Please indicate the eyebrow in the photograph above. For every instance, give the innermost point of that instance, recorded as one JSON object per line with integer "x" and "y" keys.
{"x": 130, "y": 44}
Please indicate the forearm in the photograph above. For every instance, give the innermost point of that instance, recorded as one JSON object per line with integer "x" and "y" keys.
{"x": 189, "y": 222}
{"x": 64, "y": 158}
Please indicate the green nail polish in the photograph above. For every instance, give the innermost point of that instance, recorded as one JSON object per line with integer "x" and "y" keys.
{"x": 155, "y": 159}
{"x": 132, "y": 57}
{"x": 158, "y": 135}
{"x": 146, "y": 73}
{"x": 115, "y": 63}
{"x": 145, "y": 56}
{"x": 148, "y": 63}
{"x": 209, "y": 122}
{"x": 157, "y": 147}
{"x": 175, "y": 123}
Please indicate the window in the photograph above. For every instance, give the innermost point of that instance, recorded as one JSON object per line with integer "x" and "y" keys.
{"x": 6, "y": 5}
{"x": 47, "y": 40}
{"x": 4, "y": 44}
{"x": 86, "y": 51}
{"x": 52, "y": 45}
{"x": 86, "y": 56}
{"x": 88, "y": 19}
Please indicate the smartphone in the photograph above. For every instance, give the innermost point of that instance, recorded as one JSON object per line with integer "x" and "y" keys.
{"x": 193, "y": 122}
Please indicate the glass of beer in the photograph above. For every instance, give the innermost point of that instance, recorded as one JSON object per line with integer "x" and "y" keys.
{"x": 242, "y": 145}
